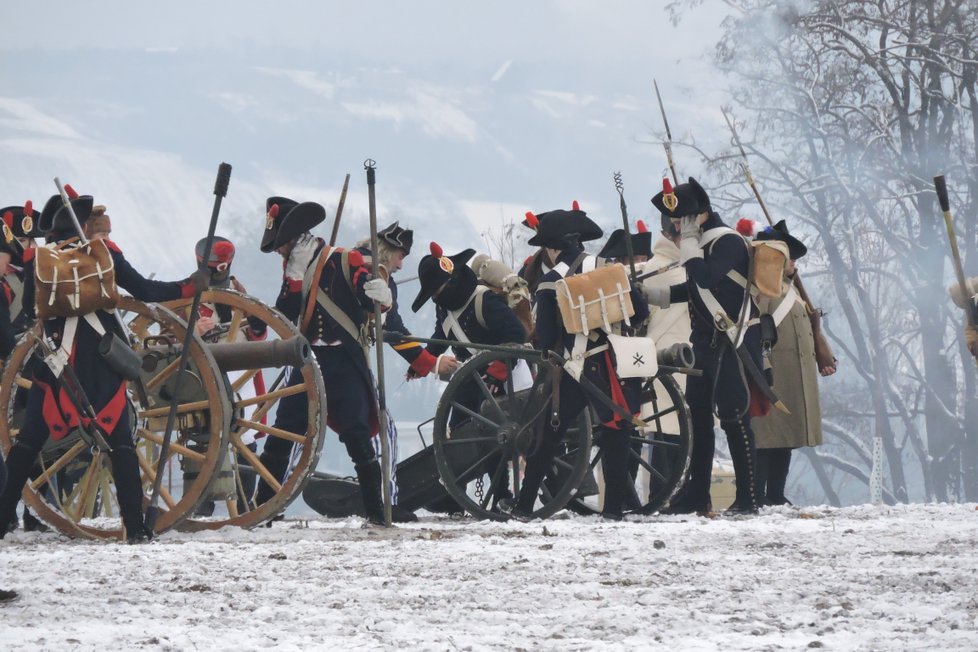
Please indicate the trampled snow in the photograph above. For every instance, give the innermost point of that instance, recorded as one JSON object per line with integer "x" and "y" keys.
{"x": 856, "y": 578}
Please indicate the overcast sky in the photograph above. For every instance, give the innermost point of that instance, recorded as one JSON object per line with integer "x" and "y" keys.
{"x": 475, "y": 112}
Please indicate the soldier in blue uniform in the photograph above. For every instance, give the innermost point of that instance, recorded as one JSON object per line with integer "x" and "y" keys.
{"x": 328, "y": 292}
{"x": 465, "y": 311}
{"x": 717, "y": 260}
{"x": 49, "y": 412}
{"x": 560, "y": 233}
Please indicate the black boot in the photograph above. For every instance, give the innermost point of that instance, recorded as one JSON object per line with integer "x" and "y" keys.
{"x": 129, "y": 493}
{"x": 740, "y": 441}
{"x": 369, "y": 475}
{"x": 614, "y": 467}
{"x": 33, "y": 523}
{"x": 780, "y": 462}
{"x": 20, "y": 461}
{"x": 277, "y": 465}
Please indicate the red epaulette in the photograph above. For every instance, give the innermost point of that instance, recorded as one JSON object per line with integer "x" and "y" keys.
{"x": 356, "y": 259}
{"x": 29, "y": 255}
{"x": 112, "y": 246}
{"x": 529, "y": 259}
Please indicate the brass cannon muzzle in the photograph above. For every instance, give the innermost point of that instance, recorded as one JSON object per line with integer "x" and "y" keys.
{"x": 239, "y": 356}
{"x": 679, "y": 355}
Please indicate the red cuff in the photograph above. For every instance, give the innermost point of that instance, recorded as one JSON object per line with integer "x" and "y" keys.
{"x": 424, "y": 363}
{"x": 294, "y": 285}
{"x": 187, "y": 289}
{"x": 498, "y": 370}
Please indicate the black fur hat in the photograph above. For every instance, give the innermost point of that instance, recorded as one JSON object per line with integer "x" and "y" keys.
{"x": 286, "y": 219}
{"x": 685, "y": 199}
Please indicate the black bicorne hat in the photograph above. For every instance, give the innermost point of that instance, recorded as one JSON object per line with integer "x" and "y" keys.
{"x": 55, "y": 221}
{"x": 616, "y": 247}
{"x": 25, "y": 222}
{"x": 796, "y": 248}
{"x": 685, "y": 199}
{"x": 397, "y": 237}
{"x": 554, "y": 228}
{"x": 286, "y": 219}
{"x": 435, "y": 270}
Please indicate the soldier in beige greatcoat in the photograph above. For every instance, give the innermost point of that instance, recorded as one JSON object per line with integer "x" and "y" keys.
{"x": 795, "y": 382}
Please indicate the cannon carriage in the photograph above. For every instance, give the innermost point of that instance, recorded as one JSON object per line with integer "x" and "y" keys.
{"x": 490, "y": 417}
{"x": 224, "y": 409}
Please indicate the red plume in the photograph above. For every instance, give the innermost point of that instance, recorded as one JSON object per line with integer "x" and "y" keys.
{"x": 223, "y": 251}
{"x": 436, "y": 250}
{"x": 70, "y": 192}
{"x": 641, "y": 227}
{"x": 745, "y": 227}
{"x": 8, "y": 217}
{"x": 532, "y": 221}
{"x": 666, "y": 186}
{"x": 575, "y": 206}
{"x": 29, "y": 208}
{"x": 273, "y": 211}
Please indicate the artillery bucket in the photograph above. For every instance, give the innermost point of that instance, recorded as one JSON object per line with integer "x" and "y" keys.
{"x": 120, "y": 356}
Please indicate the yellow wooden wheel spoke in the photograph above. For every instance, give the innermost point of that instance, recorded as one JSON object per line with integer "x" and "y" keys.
{"x": 183, "y": 408}
{"x": 236, "y": 315}
{"x": 150, "y": 473}
{"x": 243, "y": 380}
{"x": 272, "y": 430}
{"x": 59, "y": 464}
{"x": 256, "y": 464}
{"x": 88, "y": 484}
{"x": 175, "y": 447}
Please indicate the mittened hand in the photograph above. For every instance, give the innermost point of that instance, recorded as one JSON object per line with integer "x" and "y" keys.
{"x": 961, "y": 298}
{"x": 201, "y": 280}
{"x": 656, "y": 295}
{"x": 971, "y": 339}
{"x": 378, "y": 290}
{"x": 300, "y": 257}
{"x": 689, "y": 227}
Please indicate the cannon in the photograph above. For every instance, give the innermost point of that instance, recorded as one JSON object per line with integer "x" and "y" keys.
{"x": 223, "y": 413}
{"x": 489, "y": 419}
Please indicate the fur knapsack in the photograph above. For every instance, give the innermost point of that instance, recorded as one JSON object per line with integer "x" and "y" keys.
{"x": 74, "y": 279}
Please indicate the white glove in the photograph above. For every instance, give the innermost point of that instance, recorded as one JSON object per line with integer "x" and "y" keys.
{"x": 301, "y": 257}
{"x": 656, "y": 295}
{"x": 689, "y": 245}
{"x": 378, "y": 290}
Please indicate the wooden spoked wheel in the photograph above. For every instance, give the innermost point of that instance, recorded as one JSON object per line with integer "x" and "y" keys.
{"x": 71, "y": 487}
{"x": 255, "y": 396}
{"x": 659, "y": 455}
{"x": 501, "y": 403}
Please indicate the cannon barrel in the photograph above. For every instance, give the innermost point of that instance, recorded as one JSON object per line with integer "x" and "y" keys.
{"x": 238, "y": 356}
{"x": 678, "y": 355}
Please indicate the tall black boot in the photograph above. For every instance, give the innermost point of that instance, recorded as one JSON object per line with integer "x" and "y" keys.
{"x": 743, "y": 454}
{"x": 129, "y": 493}
{"x": 369, "y": 475}
{"x": 614, "y": 466}
{"x": 763, "y": 471}
{"x": 780, "y": 462}
{"x": 277, "y": 465}
{"x": 20, "y": 461}
{"x": 537, "y": 466}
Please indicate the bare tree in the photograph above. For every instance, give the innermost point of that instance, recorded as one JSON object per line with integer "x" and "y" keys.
{"x": 853, "y": 106}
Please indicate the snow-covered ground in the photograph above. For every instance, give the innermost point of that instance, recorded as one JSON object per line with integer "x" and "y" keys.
{"x": 858, "y": 578}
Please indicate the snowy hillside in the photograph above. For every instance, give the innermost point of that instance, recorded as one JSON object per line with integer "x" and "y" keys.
{"x": 859, "y": 578}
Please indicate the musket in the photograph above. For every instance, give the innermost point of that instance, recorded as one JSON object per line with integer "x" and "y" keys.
{"x": 220, "y": 191}
{"x": 385, "y": 447}
{"x": 620, "y": 187}
{"x": 940, "y": 185}
{"x": 339, "y": 211}
{"x": 823, "y": 352}
{"x": 668, "y": 142}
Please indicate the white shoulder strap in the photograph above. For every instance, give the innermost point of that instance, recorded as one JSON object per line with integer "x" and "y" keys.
{"x": 785, "y": 306}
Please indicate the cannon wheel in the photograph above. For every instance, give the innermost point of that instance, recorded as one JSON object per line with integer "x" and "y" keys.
{"x": 481, "y": 459}
{"x": 72, "y": 488}
{"x": 659, "y": 456}
{"x": 242, "y": 464}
